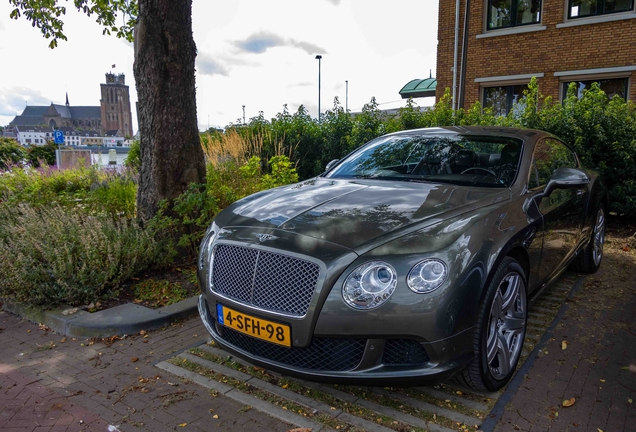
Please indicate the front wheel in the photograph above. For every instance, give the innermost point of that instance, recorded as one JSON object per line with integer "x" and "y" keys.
{"x": 500, "y": 330}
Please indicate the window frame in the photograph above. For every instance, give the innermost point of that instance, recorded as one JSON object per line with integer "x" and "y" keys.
{"x": 513, "y": 17}
{"x": 599, "y": 10}
{"x": 564, "y": 82}
{"x": 509, "y": 94}
{"x": 620, "y": 72}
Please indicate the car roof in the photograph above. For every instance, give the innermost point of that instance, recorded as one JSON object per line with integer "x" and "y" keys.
{"x": 519, "y": 133}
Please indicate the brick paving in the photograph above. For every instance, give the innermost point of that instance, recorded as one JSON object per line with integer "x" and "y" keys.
{"x": 48, "y": 383}
{"x": 598, "y": 367}
{"x": 52, "y": 384}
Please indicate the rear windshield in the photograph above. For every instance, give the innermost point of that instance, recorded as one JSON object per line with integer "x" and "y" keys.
{"x": 467, "y": 160}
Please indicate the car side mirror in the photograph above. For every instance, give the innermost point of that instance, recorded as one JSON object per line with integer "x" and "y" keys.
{"x": 565, "y": 178}
{"x": 331, "y": 164}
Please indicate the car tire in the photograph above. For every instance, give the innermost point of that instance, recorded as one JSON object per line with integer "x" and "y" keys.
{"x": 589, "y": 260}
{"x": 500, "y": 330}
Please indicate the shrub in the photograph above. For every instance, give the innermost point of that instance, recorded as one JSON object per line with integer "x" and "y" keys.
{"x": 36, "y": 155}
{"x": 45, "y": 185}
{"x": 11, "y": 153}
{"x": 115, "y": 194}
{"x": 54, "y": 255}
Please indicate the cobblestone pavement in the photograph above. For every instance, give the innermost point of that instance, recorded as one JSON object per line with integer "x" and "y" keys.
{"x": 597, "y": 367}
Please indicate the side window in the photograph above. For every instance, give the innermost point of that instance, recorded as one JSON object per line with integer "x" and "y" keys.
{"x": 549, "y": 155}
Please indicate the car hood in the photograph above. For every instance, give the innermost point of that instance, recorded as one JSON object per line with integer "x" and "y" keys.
{"x": 355, "y": 213}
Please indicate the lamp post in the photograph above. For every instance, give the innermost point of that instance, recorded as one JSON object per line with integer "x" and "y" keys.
{"x": 347, "y": 96}
{"x": 319, "y": 58}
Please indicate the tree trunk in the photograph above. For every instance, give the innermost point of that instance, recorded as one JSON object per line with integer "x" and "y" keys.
{"x": 170, "y": 147}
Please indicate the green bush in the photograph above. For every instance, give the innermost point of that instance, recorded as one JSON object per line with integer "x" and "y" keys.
{"x": 36, "y": 155}
{"x": 11, "y": 153}
{"x": 55, "y": 255}
{"x": 90, "y": 189}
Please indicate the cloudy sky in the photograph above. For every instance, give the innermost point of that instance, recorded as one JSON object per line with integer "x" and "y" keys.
{"x": 256, "y": 53}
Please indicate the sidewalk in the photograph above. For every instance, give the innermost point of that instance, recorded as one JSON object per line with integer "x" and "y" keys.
{"x": 598, "y": 366}
{"x": 49, "y": 383}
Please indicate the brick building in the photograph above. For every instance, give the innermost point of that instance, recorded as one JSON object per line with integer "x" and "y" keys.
{"x": 507, "y": 42}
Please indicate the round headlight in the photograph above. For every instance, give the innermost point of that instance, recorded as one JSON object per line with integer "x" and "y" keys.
{"x": 205, "y": 252}
{"x": 369, "y": 285}
{"x": 427, "y": 275}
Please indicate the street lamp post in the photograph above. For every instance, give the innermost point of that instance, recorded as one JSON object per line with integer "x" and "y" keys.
{"x": 347, "y": 96}
{"x": 319, "y": 58}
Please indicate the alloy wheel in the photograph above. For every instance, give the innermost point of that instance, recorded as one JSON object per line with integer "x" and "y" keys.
{"x": 507, "y": 325}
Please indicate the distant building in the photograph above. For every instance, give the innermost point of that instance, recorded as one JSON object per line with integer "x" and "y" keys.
{"x": 115, "y": 105}
{"x": 113, "y": 113}
{"x": 33, "y": 135}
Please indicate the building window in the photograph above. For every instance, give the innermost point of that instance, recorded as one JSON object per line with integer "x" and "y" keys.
{"x": 502, "y": 98}
{"x": 587, "y": 8}
{"x": 611, "y": 87}
{"x": 512, "y": 13}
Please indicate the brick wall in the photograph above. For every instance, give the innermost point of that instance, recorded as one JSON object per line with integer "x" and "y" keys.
{"x": 591, "y": 46}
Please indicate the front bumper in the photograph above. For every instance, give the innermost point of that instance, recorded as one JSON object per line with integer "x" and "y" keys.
{"x": 350, "y": 360}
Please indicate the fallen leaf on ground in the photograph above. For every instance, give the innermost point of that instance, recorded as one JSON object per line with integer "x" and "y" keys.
{"x": 143, "y": 332}
{"x": 602, "y": 380}
{"x": 134, "y": 359}
{"x": 63, "y": 339}
{"x": 564, "y": 344}
{"x": 568, "y": 402}
{"x": 630, "y": 400}
{"x": 183, "y": 425}
{"x": 216, "y": 416}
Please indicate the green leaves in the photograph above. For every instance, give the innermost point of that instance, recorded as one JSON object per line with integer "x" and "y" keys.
{"x": 47, "y": 15}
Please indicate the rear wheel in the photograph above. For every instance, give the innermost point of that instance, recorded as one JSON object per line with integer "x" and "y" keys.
{"x": 589, "y": 260}
{"x": 500, "y": 331}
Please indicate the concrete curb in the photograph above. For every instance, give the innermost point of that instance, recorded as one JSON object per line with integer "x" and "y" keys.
{"x": 117, "y": 321}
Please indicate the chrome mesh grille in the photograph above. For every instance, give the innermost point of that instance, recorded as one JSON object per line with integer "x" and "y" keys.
{"x": 271, "y": 281}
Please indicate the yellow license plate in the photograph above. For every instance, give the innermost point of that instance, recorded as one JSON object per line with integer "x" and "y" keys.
{"x": 256, "y": 327}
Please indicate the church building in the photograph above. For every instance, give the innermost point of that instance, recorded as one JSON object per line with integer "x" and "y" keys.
{"x": 112, "y": 117}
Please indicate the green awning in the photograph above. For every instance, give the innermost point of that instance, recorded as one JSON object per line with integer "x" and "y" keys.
{"x": 419, "y": 88}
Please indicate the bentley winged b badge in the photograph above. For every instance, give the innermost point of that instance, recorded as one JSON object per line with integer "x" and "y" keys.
{"x": 266, "y": 237}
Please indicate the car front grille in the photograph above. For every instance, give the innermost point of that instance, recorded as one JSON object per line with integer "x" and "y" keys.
{"x": 327, "y": 354}
{"x": 403, "y": 352}
{"x": 267, "y": 280}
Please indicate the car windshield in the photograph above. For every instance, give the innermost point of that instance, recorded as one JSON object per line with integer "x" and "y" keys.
{"x": 466, "y": 160}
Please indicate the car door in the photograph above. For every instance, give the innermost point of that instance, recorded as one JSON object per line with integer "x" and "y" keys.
{"x": 563, "y": 210}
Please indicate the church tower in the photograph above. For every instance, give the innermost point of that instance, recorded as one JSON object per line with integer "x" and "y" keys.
{"x": 115, "y": 105}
